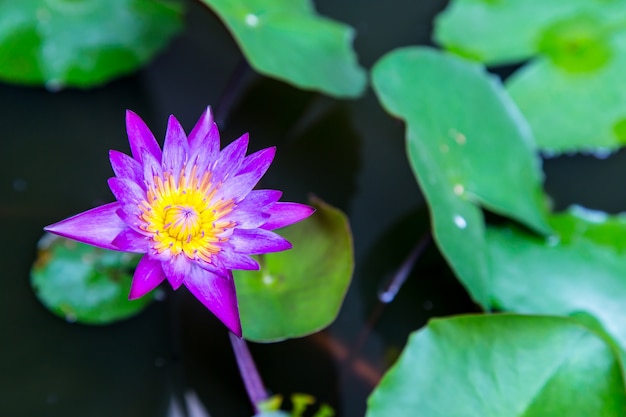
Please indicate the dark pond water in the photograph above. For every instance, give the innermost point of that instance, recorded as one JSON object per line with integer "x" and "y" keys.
{"x": 53, "y": 163}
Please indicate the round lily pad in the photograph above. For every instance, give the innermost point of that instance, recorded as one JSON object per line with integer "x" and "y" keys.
{"x": 299, "y": 291}
{"x": 81, "y": 43}
{"x": 85, "y": 284}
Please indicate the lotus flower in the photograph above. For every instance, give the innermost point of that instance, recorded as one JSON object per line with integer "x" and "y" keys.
{"x": 191, "y": 209}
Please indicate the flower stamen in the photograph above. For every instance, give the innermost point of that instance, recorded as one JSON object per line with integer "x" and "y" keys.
{"x": 183, "y": 217}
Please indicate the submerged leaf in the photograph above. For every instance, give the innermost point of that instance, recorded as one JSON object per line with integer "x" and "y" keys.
{"x": 502, "y": 365}
{"x": 85, "y": 284}
{"x": 299, "y": 291}
{"x": 83, "y": 43}
{"x": 288, "y": 40}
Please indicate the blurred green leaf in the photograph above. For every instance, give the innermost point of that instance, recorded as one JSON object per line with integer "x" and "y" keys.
{"x": 567, "y": 92}
{"x": 288, "y": 40}
{"x": 579, "y": 270}
{"x": 501, "y": 31}
{"x": 469, "y": 147}
{"x": 502, "y": 365}
{"x": 83, "y": 283}
{"x": 573, "y": 110}
{"x": 299, "y": 291}
{"x": 81, "y": 43}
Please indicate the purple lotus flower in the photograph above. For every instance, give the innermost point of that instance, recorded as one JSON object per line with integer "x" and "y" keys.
{"x": 191, "y": 210}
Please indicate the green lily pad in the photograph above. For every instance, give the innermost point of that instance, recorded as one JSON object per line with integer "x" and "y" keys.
{"x": 288, "y": 40}
{"x": 84, "y": 284}
{"x": 502, "y": 31}
{"x": 502, "y": 365}
{"x": 81, "y": 43}
{"x": 299, "y": 291}
{"x": 469, "y": 147}
{"x": 579, "y": 270}
{"x": 567, "y": 92}
{"x": 575, "y": 110}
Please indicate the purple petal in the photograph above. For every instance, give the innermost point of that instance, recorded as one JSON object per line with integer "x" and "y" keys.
{"x": 151, "y": 168}
{"x": 258, "y": 162}
{"x": 147, "y": 277}
{"x": 247, "y": 219}
{"x": 205, "y": 137}
{"x": 257, "y": 241}
{"x": 217, "y": 294}
{"x": 126, "y": 191}
{"x": 175, "y": 148}
{"x": 126, "y": 167}
{"x": 233, "y": 260}
{"x": 200, "y": 161}
{"x": 237, "y": 188}
{"x": 130, "y": 214}
{"x": 230, "y": 159}
{"x": 176, "y": 269}
{"x": 259, "y": 199}
{"x": 283, "y": 214}
{"x": 98, "y": 226}
{"x": 131, "y": 241}
{"x": 140, "y": 137}
{"x": 215, "y": 267}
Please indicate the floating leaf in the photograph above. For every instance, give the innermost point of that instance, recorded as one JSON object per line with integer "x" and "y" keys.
{"x": 502, "y": 365}
{"x": 469, "y": 147}
{"x": 83, "y": 283}
{"x": 477, "y": 28}
{"x": 573, "y": 110}
{"x": 287, "y": 40}
{"x": 81, "y": 43}
{"x": 567, "y": 93}
{"x": 579, "y": 270}
{"x": 299, "y": 291}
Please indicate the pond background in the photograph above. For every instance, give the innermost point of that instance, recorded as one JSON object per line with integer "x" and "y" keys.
{"x": 54, "y": 163}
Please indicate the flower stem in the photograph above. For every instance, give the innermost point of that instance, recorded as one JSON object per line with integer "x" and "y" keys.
{"x": 250, "y": 375}
{"x": 390, "y": 290}
{"x": 399, "y": 278}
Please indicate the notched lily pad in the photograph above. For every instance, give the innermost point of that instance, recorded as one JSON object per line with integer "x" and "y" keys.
{"x": 84, "y": 284}
{"x": 299, "y": 291}
{"x": 288, "y": 40}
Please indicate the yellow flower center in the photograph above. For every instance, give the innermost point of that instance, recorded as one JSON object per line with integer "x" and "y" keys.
{"x": 183, "y": 216}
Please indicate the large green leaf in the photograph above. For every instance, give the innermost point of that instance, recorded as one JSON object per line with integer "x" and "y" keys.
{"x": 502, "y": 365}
{"x": 582, "y": 269}
{"x": 299, "y": 291}
{"x": 81, "y": 43}
{"x": 85, "y": 284}
{"x": 288, "y": 40}
{"x": 468, "y": 146}
{"x": 567, "y": 92}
